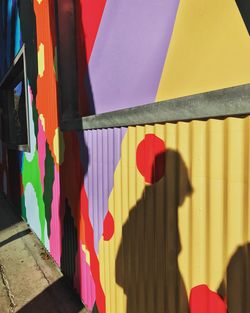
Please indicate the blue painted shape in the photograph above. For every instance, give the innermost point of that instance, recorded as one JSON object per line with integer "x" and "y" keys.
{"x": 18, "y": 41}
{"x": 18, "y": 89}
{"x": 20, "y": 157}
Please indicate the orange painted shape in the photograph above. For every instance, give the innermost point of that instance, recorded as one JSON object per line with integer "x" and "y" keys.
{"x": 46, "y": 98}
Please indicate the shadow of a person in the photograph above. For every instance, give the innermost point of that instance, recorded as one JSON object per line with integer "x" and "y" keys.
{"x": 235, "y": 287}
{"x": 147, "y": 259}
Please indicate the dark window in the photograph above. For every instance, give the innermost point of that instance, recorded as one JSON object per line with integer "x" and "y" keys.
{"x": 14, "y": 105}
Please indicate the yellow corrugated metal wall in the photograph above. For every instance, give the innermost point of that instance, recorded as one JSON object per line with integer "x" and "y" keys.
{"x": 189, "y": 228}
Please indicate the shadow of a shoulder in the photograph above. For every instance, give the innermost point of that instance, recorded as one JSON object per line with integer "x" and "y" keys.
{"x": 235, "y": 287}
{"x": 147, "y": 259}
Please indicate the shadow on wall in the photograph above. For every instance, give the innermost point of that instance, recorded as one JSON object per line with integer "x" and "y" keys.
{"x": 86, "y": 103}
{"x": 76, "y": 100}
{"x": 29, "y": 31}
{"x": 14, "y": 180}
{"x": 147, "y": 260}
{"x": 235, "y": 287}
{"x": 7, "y": 217}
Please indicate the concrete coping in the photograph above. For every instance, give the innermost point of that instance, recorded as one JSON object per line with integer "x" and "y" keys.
{"x": 221, "y": 103}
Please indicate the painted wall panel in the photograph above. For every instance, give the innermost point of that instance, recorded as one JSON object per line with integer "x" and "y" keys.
{"x": 208, "y": 50}
{"x": 129, "y": 52}
{"x": 204, "y": 47}
{"x": 133, "y": 53}
{"x": 188, "y": 229}
{"x": 150, "y": 218}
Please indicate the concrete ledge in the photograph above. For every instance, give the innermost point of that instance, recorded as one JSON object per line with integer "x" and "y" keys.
{"x": 221, "y": 103}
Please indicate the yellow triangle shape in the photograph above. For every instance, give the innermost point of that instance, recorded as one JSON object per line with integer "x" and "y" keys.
{"x": 209, "y": 49}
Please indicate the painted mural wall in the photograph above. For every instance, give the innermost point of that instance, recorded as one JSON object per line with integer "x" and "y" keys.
{"x": 150, "y": 218}
{"x": 150, "y": 52}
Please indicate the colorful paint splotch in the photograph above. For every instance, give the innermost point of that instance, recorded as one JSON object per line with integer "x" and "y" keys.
{"x": 202, "y": 299}
{"x": 103, "y": 149}
{"x": 126, "y": 72}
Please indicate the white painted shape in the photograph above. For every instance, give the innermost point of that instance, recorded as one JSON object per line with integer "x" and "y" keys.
{"x": 46, "y": 237}
{"x": 32, "y": 209}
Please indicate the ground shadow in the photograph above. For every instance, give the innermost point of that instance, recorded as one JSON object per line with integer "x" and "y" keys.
{"x": 235, "y": 287}
{"x": 57, "y": 298}
{"x": 15, "y": 237}
{"x": 147, "y": 260}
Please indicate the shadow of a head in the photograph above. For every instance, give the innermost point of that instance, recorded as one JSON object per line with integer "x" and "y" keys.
{"x": 170, "y": 166}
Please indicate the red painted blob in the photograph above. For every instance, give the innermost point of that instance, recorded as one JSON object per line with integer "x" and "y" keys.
{"x": 150, "y": 158}
{"x": 108, "y": 227}
{"x": 203, "y": 300}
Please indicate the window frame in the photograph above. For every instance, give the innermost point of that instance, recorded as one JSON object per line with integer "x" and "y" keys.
{"x": 16, "y": 72}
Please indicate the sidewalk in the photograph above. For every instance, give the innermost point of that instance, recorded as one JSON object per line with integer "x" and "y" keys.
{"x": 29, "y": 280}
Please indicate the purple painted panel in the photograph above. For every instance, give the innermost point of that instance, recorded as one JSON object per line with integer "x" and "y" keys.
{"x": 129, "y": 53}
{"x": 104, "y": 152}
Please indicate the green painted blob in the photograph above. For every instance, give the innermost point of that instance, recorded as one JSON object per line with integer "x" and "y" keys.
{"x": 35, "y": 118}
{"x": 31, "y": 174}
{"x": 95, "y": 310}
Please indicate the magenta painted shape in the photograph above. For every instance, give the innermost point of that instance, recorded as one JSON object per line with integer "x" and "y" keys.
{"x": 84, "y": 282}
{"x": 30, "y": 94}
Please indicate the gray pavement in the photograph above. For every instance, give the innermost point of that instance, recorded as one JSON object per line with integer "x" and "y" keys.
{"x": 30, "y": 282}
